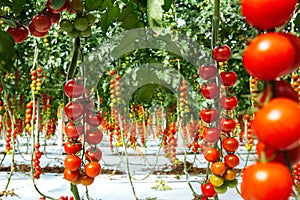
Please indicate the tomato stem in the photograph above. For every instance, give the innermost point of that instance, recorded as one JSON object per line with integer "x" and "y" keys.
{"x": 215, "y": 23}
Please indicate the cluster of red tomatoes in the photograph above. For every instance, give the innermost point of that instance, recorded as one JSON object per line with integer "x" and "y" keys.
{"x": 296, "y": 171}
{"x": 219, "y": 125}
{"x": 276, "y": 124}
{"x": 169, "y": 143}
{"x": 40, "y": 23}
{"x": 83, "y": 126}
{"x": 36, "y": 161}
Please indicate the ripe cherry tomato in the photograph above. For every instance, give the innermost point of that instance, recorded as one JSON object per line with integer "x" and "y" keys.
{"x": 86, "y": 180}
{"x": 209, "y": 115}
{"x": 36, "y": 33}
{"x": 227, "y": 125}
{"x": 207, "y": 72}
{"x": 208, "y": 189}
{"x": 266, "y": 181}
{"x": 57, "y": 10}
{"x": 269, "y": 56}
{"x": 230, "y": 144}
{"x": 54, "y": 17}
{"x": 211, "y": 154}
{"x": 231, "y": 160}
{"x": 93, "y": 119}
{"x": 72, "y": 131}
{"x": 94, "y": 137}
{"x": 273, "y": 154}
{"x": 228, "y": 78}
{"x": 221, "y": 53}
{"x": 277, "y": 14}
{"x": 92, "y": 169}
{"x": 72, "y": 147}
{"x": 230, "y": 174}
{"x": 218, "y": 168}
{"x": 228, "y": 103}
{"x": 73, "y": 89}
{"x": 283, "y": 89}
{"x": 71, "y": 176}
{"x": 72, "y": 162}
{"x": 19, "y": 33}
{"x": 93, "y": 154}
{"x": 210, "y": 91}
{"x": 41, "y": 23}
{"x": 278, "y": 124}
{"x": 73, "y": 110}
{"x": 211, "y": 134}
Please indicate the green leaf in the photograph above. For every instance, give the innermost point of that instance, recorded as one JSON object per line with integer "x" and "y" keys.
{"x": 10, "y": 22}
{"x": 18, "y": 6}
{"x": 57, "y": 3}
{"x": 297, "y": 21}
{"x": 92, "y": 4}
{"x": 167, "y": 5}
{"x": 125, "y": 12}
{"x": 113, "y": 13}
{"x": 5, "y": 3}
{"x": 155, "y": 12}
{"x": 131, "y": 22}
{"x": 7, "y": 51}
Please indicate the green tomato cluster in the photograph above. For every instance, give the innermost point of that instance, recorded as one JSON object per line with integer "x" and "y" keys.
{"x": 80, "y": 26}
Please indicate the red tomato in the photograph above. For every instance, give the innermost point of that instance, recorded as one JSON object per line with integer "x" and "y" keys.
{"x": 72, "y": 131}
{"x": 73, "y": 89}
{"x": 211, "y": 154}
{"x": 296, "y": 42}
{"x": 273, "y": 154}
{"x": 73, "y": 110}
{"x": 277, "y": 13}
{"x": 227, "y": 125}
{"x": 92, "y": 169}
{"x": 218, "y": 168}
{"x": 228, "y": 78}
{"x": 94, "y": 137}
{"x": 41, "y": 23}
{"x": 228, "y": 103}
{"x": 71, "y": 176}
{"x": 86, "y": 180}
{"x": 269, "y": 56}
{"x": 278, "y": 124}
{"x": 19, "y": 34}
{"x": 230, "y": 174}
{"x": 230, "y": 144}
{"x": 207, "y": 72}
{"x": 231, "y": 160}
{"x": 72, "y": 147}
{"x": 221, "y": 53}
{"x": 93, "y": 119}
{"x": 283, "y": 89}
{"x": 208, "y": 189}
{"x": 57, "y": 10}
{"x": 54, "y": 17}
{"x": 266, "y": 181}
{"x": 209, "y": 115}
{"x": 36, "y": 33}
{"x": 211, "y": 134}
{"x": 72, "y": 162}
{"x": 93, "y": 154}
{"x": 210, "y": 91}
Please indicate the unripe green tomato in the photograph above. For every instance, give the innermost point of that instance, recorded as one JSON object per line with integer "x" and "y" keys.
{"x": 81, "y": 23}
{"x": 66, "y": 25}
